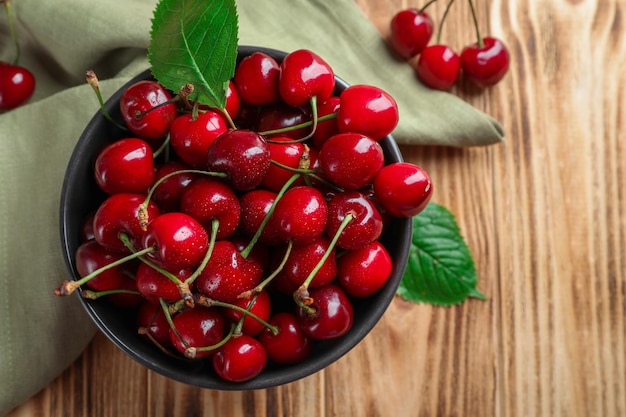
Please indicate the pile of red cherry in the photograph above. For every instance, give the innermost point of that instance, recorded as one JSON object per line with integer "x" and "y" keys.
{"x": 242, "y": 235}
{"x": 437, "y": 65}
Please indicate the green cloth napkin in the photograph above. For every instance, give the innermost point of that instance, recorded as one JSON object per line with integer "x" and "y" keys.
{"x": 40, "y": 334}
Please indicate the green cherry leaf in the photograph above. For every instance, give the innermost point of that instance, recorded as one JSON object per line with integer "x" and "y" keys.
{"x": 440, "y": 270}
{"x": 195, "y": 42}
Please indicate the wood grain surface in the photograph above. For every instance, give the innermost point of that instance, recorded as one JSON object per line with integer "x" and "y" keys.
{"x": 544, "y": 215}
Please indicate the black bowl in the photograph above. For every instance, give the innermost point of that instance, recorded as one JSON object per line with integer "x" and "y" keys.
{"x": 80, "y": 195}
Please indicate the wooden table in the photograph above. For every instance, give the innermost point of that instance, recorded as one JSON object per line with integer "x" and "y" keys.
{"x": 544, "y": 215}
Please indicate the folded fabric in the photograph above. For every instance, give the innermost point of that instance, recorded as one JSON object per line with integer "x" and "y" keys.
{"x": 60, "y": 40}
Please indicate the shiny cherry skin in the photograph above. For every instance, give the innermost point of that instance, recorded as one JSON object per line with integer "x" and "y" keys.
{"x": 351, "y": 160}
{"x": 403, "y": 189}
{"x": 368, "y": 110}
{"x": 91, "y": 256}
{"x": 153, "y": 285}
{"x": 256, "y": 79}
{"x": 258, "y": 304}
{"x": 240, "y": 359}
{"x": 191, "y": 138}
{"x": 438, "y": 67}
{"x": 241, "y": 154}
{"x": 154, "y": 325}
{"x": 327, "y": 128}
{"x": 302, "y": 260}
{"x": 167, "y": 194}
{"x": 300, "y": 215}
{"x": 145, "y": 113}
{"x": 366, "y": 225}
{"x": 287, "y": 154}
{"x": 207, "y": 199}
{"x": 125, "y": 166}
{"x": 290, "y": 345}
{"x": 303, "y": 75}
{"x": 485, "y": 64}
{"x": 363, "y": 272}
{"x": 228, "y": 273}
{"x": 255, "y": 205}
{"x": 180, "y": 241}
{"x": 332, "y": 314}
{"x": 120, "y": 213}
{"x": 198, "y": 327}
{"x": 410, "y": 32}
{"x": 17, "y": 85}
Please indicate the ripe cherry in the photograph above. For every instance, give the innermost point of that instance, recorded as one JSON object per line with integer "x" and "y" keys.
{"x": 191, "y": 137}
{"x": 438, "y": 67}
{"x": 485, "y": 63}
{"x": 179, "y": 239}
{"x": 167, "y": 194}
{"x": 91, "y": 256}
{"x": 17, "y": 85}
{"x": 255, "y": 205}
{"x": 331, "y": 314}
{"x": 303, "y": 258}
{"x": 300, "y": 215}
{"x": 198, "y": 327}
{"x": 152, "y": 284}
{"x": 147, "y": 109}
{"x": 364, "y": 271}
{"x": 125, "y": 166}
{"x": 366, "y": 225}
{"x": 240, "y": 359}
{"x": 290, "y": 345}
{"x": 280, "y": 116}
{"x": 351, "y": 160}
{"x": 207, "y": 199}
{"x": 258, "y": 304}
{"x": 243, "y": 155}
{"x": 284, "y": 153}
{"x": 305, "y": 75}
{"x": 153, "y": 324}
{"x": 256, "y": 79}
{"x": 411, "y": 30}
{"x": 368, "y": 110}
{"x": 326, "y": 128}
{"x": 403, "y": 189}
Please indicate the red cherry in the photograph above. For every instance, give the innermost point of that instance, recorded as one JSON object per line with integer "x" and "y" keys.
{"x": 153, "y": 285}
{"x": 228, "y": 273}
{"x": 260, "y": 306}
{"x": 287, "y": 154}
{"x": 191, "y": 138}
{"x": 300, "y": 215}
{"x": 280, "y": 116}
{"x": 256, "y": 79}
{"x": 302, "y": 260}
{"x": 152, "y": 320}
{"x": 240, "y": 359}
{"x": 364, "y": 271}
{"x": 368, "y": 110}
{"x": 438, "y": 67}
{"x": 485, "y": 64}
{"x": 179, "y": 239}
{"x": 125, "y": 166}
{"x": 411, "y": 31}
{"x": 366, "y": 225}
{"x": 290, "y": 345}
{"x": 167, "y": 194}
{"x": 120, "y": 213}
{"x": 327, "y": 128}
{"x": 243, "y": 155}
{"x": 91, "y": 256}
{"x": 332, "y": 314}
{"x": 17, "y": 85}
{"x": 143, "y": 108}
{"x": 207, "y": 199}
{"x": 403, "y": 189}
{"x": 351, "y": 160}
{"x": 255, "y": 205}
{"x": 304, "y": 75}
{"x": 198, "y": 327}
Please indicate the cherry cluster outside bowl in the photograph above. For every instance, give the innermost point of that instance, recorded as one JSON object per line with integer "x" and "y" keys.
{"x": 80, "y": 195}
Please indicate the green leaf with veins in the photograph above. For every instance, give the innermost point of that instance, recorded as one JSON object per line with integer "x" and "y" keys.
{"x": 440, "y": 270}
{"x": 195, "y": 42}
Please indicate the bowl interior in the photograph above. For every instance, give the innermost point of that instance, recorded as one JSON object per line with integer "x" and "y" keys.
{"x": 80, "y": 195}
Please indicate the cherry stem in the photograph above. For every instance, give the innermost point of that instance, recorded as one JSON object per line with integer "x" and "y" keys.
{"x": 9, "y": 9}
{"x": 170, "y": 322}
{"x": 246, "y": 251}
{"x": 443, "y": 18}
{"x": 92, "y": 80}
{"x": 210, "y": 302}
{"x": 93, "y": 295}
{"x": 139, "y": 114}
{"x": 478, "y": 37}
{"x": 301, "y": 295}
{"x": 145, "y": 332}
{"x": 269, "y": 279}
{"x": 215, "y": 224}
{"x": 298, "y": 126}
{"x": 163, "y": 148}
{"x": 68, "y": 287}
{"x": 424, "y": 7}
{"x": 191, "y": 352}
